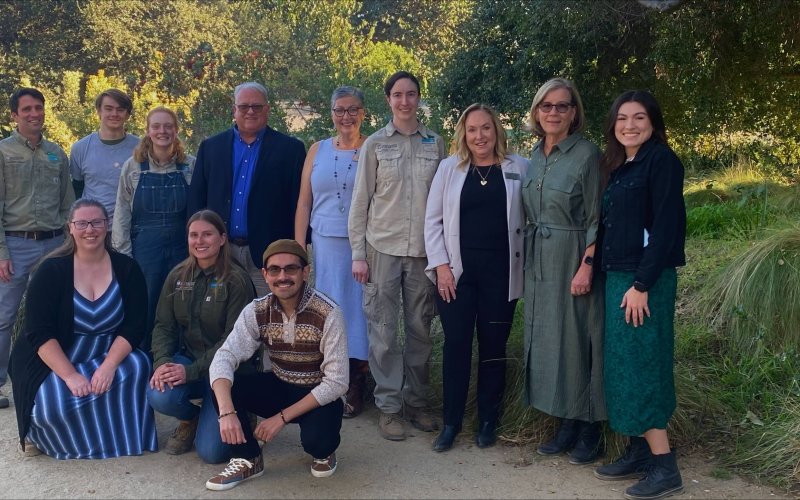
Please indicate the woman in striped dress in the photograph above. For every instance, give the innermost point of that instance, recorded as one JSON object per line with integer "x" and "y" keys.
{"x": 79, "y": 380}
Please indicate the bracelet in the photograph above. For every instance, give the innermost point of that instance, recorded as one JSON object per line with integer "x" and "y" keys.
{"x": 226, "y": 414}
{"x": 283, "y": 418}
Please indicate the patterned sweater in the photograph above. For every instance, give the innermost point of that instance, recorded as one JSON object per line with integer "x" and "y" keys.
{"x": 287, "y": 341}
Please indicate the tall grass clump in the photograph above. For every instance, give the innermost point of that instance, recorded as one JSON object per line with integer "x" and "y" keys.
{"x": 756, "y": 298}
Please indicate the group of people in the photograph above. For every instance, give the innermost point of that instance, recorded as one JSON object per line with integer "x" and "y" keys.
{"x": 202, "y": 263}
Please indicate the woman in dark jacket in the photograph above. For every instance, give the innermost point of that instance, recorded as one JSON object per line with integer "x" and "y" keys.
{"x": 79, "y": 379}
{"x": 641, "y": 242}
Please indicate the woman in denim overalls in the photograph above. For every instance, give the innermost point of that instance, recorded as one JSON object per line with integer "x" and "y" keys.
{"x": 150, "y": 214}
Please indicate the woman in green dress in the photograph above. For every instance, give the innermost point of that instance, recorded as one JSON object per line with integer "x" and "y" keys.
{"x": 563, "y": 307}
{"x": 642, "y": 235}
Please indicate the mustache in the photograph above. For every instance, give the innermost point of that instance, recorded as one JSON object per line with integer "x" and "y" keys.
{"x": 284, "y": 282}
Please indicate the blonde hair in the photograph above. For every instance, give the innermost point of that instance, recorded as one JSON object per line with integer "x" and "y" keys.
{"x": 145, "y": 146}
{"x": 459, "y": 143}
{"x": 553, "y": 84}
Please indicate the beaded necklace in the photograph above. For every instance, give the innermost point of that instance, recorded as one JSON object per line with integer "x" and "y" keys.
{"x": 341, "y": 190}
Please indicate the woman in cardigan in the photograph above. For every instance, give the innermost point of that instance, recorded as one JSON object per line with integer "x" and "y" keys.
{"x": 473, "y": 240}
{"x": 641, "y": 242}
{"x": 199, "y": 303}
{"x": 79, "y": 380}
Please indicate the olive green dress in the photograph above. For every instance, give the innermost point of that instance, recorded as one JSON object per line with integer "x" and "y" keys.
{"x": 563, "y": 334}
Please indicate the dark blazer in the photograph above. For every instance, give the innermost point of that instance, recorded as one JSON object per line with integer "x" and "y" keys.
{"x": 50, "y": 314}
{"x": 644, "y": 194}
{"x": 274, "y": 188}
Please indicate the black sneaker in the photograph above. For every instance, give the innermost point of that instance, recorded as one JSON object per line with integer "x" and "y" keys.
{"x": 564, "y": 440}
{"x": 662, "y": 479}
{"x": 589, "y": 446}
{"x": 633, "y": 463}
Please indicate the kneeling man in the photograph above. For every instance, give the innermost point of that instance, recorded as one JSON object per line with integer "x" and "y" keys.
{"x": 303, "y": 334}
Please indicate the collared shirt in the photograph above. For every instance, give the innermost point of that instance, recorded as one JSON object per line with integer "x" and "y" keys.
{"x": 128, "y": 181}
{"x": 246, "y": 338}
{"x": 35, "y": 189}
{"x": 245, "y": 157}
{"x": 391, "y": 190}
{"x": 195, "y": 317}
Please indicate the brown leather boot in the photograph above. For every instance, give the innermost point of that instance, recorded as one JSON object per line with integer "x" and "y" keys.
{"x": 354, "y": 399}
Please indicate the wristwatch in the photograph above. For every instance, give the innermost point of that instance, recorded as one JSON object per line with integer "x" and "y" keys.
{"x": 639, "y": 286}
{"x": 588, "y": 260}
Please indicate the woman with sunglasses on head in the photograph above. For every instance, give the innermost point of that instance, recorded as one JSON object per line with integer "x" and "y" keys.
{"x": 79, "y": 379}
{"x": 641, "y": 242}
{"x": 473, "y": 240}
{"x": 150, "y": 214}
{"x": 324, "y": 203}
{"x": 199, "y": 303}
{"x": 563, "y": 307}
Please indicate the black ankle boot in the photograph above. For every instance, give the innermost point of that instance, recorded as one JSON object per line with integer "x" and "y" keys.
{"x": 663, "y": 479}
{"x": 444, "y": 441}
{"x": 487, "y": 434}
{"x": 589, "y": 445}
{"x": 632, "y": 464}
{"x": 564, "y": 439}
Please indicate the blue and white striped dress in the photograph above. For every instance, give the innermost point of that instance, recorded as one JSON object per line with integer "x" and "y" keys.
{"x": 116, "y": 423}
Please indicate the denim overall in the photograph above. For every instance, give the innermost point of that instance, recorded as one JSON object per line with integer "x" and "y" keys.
{"x": 158, "y": 232}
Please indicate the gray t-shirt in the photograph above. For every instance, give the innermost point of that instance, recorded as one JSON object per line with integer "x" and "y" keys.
{"x": 98, "y": 165}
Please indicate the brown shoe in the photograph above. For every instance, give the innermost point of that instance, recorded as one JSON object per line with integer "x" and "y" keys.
{"x": 182, "y": 439}
{"x": 421, "y": 419}
{"x": 238, "y": 470}
{"x": 391, "y": 427}
{"x": 324, "y": 467}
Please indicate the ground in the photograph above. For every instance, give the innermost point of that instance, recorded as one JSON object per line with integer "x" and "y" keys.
{"x": 369, "y": 467}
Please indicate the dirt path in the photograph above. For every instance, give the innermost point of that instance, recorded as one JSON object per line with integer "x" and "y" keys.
{"x": 369, "y": 467}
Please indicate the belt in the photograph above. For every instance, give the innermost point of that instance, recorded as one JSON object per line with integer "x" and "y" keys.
{"x": 239, "y": 242}
{"x": 36, "y": 235}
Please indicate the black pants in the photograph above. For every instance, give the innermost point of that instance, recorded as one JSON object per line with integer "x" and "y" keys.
{"x": 265, "y": 395}
{"x": 481, "y": 304}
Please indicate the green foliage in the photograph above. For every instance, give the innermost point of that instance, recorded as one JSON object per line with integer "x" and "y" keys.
{"x": 756, "y": 298}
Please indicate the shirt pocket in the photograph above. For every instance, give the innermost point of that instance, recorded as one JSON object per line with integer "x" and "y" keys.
{"x": 388, "y": 165}
{"x": 17, "y": 176}
{"x": 212, "y": 310}
{"x": 565, "y": 184}
{"x": 427, "y": 160}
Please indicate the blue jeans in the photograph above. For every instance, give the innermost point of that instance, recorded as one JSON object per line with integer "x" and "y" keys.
{"x": 24, "y": 254}
{"x": 176, "y": 403}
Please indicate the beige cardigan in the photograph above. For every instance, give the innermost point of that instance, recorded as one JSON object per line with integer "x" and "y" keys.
{"x": 443, "y": 219}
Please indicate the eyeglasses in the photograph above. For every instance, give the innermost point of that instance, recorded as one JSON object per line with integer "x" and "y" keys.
{"x": 561, "y": 107}
{"x": 352, "y": 111}
{"x": 83, "y": 224}
{"x": 290, "y": 270}
{"x": 244, "y": 108}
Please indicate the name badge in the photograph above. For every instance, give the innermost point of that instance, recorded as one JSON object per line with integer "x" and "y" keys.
{"x": 428, "y": 140}
{"x": 52, "y": 157}
{"x": 512, "y": 175}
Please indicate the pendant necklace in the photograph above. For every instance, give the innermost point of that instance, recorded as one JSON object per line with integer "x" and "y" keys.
{"x": 340, "y": 191}
{"x": 484, "y": 178}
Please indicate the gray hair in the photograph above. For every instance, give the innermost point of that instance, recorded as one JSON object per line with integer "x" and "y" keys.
{"x": 250, "y": 85}
{"x": 554, "y": 84}
{"x": 347, "y": 91}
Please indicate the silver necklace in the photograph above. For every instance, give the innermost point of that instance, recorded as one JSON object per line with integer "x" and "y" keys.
{"x": 484, "y": 178}
{"x": 341, "y": 190}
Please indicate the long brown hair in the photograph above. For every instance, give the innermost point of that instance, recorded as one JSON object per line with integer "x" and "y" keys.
{"x": 614, "y": 154}
{"x": 224, "y": 263}
{"x": 145, "y": 147}
{"x": 68, "y": 247}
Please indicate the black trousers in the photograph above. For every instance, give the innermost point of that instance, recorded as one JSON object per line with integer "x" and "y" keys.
{"x": 265, "y": 395}
{"x": 481, "y": 304}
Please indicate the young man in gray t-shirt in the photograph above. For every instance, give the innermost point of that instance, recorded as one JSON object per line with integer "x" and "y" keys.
{"x": 96, "y": 160}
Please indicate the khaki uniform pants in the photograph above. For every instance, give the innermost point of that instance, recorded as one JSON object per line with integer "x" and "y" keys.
{"x": 400, "y": 371}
